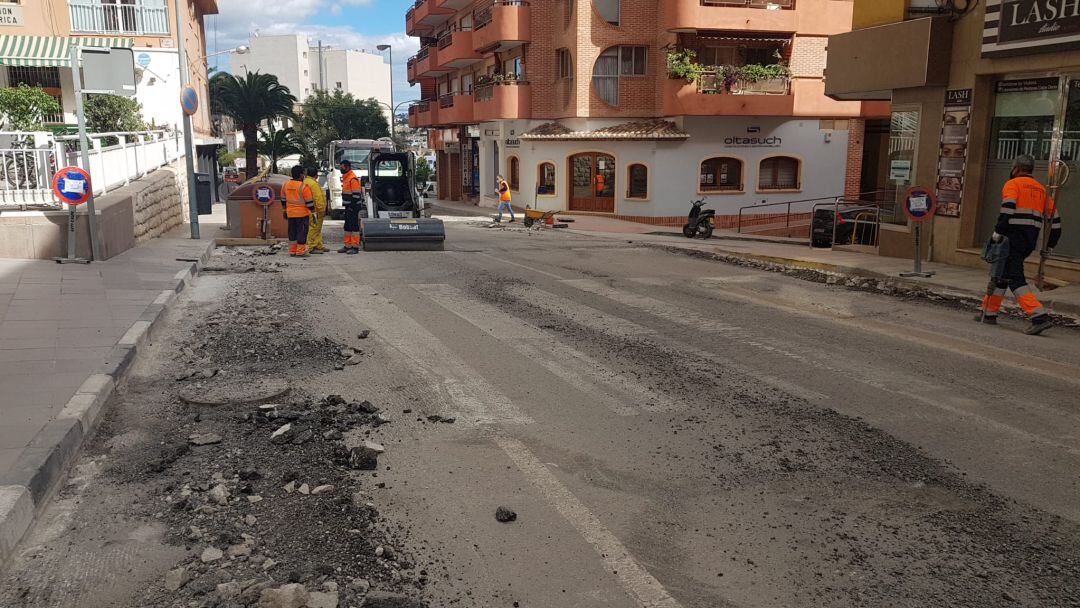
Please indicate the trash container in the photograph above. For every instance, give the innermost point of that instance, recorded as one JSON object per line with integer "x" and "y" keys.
{"x": 204, "y": 201}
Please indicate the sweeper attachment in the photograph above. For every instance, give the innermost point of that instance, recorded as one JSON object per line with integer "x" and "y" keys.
{"x": 396, "y": 218}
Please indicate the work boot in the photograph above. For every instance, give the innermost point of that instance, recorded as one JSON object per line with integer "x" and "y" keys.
{"x": 986, "y": 319}
{"x": 345, "y": 249}
{"x": 1039, "y": 324}
{"x": 320, "y": 251}
{"x": 353, "y": 251}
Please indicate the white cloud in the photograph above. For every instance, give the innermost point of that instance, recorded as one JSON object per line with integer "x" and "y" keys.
{"x": 237, "y": 22}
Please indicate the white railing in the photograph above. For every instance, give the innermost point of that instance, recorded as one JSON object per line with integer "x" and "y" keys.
{"x": 29, "y": 160}
{"x": 114, "y": 17}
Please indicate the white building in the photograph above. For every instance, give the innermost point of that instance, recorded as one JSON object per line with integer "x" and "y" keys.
{"x": 300, "y": 66}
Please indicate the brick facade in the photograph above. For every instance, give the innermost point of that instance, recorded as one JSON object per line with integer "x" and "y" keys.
{"x": 853, "y": 177}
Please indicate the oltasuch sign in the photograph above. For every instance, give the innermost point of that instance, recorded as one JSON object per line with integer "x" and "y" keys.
{"x": 1016, "y": 27}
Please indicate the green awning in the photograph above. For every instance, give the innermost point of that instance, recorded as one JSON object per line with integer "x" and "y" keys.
{"x": 50, "y": 51}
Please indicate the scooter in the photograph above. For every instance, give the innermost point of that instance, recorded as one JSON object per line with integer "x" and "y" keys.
{"x": 699, "y": 221}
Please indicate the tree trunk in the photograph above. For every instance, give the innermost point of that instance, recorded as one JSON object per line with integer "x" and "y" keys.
{"x": 251, "y": 151}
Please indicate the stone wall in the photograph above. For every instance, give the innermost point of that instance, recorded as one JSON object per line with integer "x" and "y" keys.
{"x": 157, "y": 202}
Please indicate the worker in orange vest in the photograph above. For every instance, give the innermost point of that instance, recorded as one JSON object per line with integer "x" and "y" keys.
{"x": 504, "y": 198}
{"x": 352, "y": 197}
{"x": 600, "y": 182}
{"x": 1024, "y": 204}
{"x": 298, "y": 202}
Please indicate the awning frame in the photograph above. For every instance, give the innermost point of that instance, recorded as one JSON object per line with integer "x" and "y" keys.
{"x": 51, "y": 51}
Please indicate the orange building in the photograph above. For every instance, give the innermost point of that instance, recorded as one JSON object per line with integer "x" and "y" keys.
{"x": 634, "y": 107}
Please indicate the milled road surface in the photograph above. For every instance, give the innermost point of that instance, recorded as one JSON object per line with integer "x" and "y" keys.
{"x": 671, "y": 432}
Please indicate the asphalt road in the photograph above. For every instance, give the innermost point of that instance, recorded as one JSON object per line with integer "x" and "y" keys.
{"x": 671, "y": 431}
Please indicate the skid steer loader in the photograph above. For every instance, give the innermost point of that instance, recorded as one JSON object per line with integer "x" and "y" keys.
{"x": 396, "y": 219}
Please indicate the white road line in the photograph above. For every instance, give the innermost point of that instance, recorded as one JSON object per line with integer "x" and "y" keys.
{"x": 575, "y": 367}
{"x": 657, "y": 308}
{"x": 529, "y": 268}
{"x": 580, "y": 313}
{"x": 641, "y": 585}
{"x": 476, "y": 399}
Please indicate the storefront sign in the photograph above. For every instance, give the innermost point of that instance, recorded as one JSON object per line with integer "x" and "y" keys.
{"x": 952, "y": 158}
{"x": 1027, "y": 85}
{"x": 11, "y": 15}
{"x": 1015, "y": 27}
{"x": 512, "y": 142}
{"x": 452, "y": 147}
{"x": 754, "y": 142}
{"x": 900, "y": 171}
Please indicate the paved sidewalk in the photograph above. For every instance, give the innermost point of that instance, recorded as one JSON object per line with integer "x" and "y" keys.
{"x": 67, "y": 334}
{"x": 948, "y": 280}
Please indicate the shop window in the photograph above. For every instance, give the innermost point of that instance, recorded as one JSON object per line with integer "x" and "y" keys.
{"x": 721, "y": 174}
{"x": 515, "y": 173}
{"x": 778, "y": 173}
{"x": 637, "y": 181}
{"x": 545, "y": 179}
{"x": 609, "y": 10}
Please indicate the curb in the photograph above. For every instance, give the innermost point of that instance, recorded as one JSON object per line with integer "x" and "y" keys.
{"x": 42, "y": 467}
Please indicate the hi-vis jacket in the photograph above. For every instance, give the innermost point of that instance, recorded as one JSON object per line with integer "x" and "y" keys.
{"x": 352, "y": 191}
{"x": 1024, "y": 204}
{"x": 297, "y": 198}
{"x": 504, "y": 191}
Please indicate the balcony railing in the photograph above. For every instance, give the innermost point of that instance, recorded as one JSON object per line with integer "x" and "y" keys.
{"x": 447, "y": 101}
{"x": 448, "y": 38}
{"x": 137, "y": 18}
{"x": 484, "y": 15}
{"x": 714, "y": 83}
{"x": 423, "y": 53}
{"x": 484, "y": 90}
{"x": 766, "y": 4}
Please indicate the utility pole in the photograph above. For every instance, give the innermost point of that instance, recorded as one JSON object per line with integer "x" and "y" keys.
{"x": 393, "y": 118}
{"x": 189, "y": 150}
{"x": 84, "y": 144}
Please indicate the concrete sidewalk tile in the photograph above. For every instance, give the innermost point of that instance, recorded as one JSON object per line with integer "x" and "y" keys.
{"x": 27, "y": 354}
{"x": 75, "y": 365}
{"x": 8, "y": 456}
{"x": 43, "y": 462}
{"x": 26, "y": 368}
{"x": 16, "y": 515}
{"x": 24, "y": 343}
{"x": 36, "y": 292}
{"x": 17, "y": 433}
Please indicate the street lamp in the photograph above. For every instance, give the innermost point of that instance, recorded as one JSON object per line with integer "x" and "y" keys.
{"x": 393, "y": 118}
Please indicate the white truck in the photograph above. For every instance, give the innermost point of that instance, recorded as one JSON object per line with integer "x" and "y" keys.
{"x": 355, "y": 151}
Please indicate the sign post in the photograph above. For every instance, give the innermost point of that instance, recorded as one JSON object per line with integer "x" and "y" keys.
{"x": 919, "y": 205}
{"x": 72, "y": 186}
{"x": 264, "y": 195}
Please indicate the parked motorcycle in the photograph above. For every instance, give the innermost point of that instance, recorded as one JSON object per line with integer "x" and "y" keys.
{"x": 699, "y": 221}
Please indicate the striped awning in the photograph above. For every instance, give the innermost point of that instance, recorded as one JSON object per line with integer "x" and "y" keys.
{"x": 50, "y": 51}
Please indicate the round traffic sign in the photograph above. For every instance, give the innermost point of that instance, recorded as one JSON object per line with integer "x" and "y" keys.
{"x": 264, "y": 195}
{"x": 72, "y": 185}
{"x": 919, "y": 203}
{"x": 189, "y": 100}
{"x": 143, "y": 59}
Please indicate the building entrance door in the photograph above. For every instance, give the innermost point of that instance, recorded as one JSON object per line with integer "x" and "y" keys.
{"x": 592, "y": 182}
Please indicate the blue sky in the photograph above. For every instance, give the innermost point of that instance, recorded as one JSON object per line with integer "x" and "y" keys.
{"x": 356, "y": 24}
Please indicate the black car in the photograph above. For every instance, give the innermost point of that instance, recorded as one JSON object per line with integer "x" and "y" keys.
{"x": 858, "y": 221}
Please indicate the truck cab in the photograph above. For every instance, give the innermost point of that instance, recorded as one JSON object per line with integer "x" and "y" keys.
{"x": 356, "y": 151}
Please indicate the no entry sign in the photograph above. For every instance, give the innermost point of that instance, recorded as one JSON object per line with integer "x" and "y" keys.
{"x": 72, "y": 185}
{"x": 919, "y": 203}
{"x": 263, "y": 194}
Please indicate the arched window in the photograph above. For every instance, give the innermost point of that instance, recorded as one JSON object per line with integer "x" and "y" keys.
{"x": 779, "y": 173}
{"x": 545, "y": 179}
{"x": 515, "y": 173}
{"x": 721, "y": 174}
{"x": 637, "y": 180}
{"x": 609, "y": 10}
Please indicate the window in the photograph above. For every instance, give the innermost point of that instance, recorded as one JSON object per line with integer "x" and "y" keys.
{"x": 338, "y": 84}
{"x": 609, "y": 10}
{"x": 721, "y": 174}
{"x": 633, "y": 60}
{"x": 779, "y": 173}
{"x": 637, "y": 181}
{"x": 615, "y": 62}
{"x": 466, "y": 84}
{"x": 565, "y": 65}
{"x": 545, "y": 179}
{"x": 569, "y": 14}
{"x": 44, "y": 78}
{"x": 515, "y": 173}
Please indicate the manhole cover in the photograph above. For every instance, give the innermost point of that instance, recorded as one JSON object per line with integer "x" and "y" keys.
{"x": 235, "y": 391}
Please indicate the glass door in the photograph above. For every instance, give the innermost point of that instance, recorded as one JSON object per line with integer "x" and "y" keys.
{"x": 592, "y": 181}
{"x": 1068, "y": 198}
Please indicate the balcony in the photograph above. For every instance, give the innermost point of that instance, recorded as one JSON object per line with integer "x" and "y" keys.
{"x": 456, "y": 50}
{"x": 428, "y": 15}
{"x": 426, "y": 64}
{"x": 411, "y": 70}
{"x": 711, "y": 96}
{"x": 423, "y": 114}
{"x": 746, "y": 15}
{"x": 501, "y": 26}
{"x": 871, "y": 62}
{"x": 456, "y": 109}
{"x": 506, "y": 100}
{"x": 119, "y": 18}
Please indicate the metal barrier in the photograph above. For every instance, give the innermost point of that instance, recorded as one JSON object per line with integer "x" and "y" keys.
{"x": 787, "y": 215}
{"x": 29, "y": 160}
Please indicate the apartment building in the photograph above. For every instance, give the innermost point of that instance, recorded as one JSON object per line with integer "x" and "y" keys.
{"x": 635, "y": 107}
{"x": 35, "y": 36}
{"x": 302, "y": 66}
{"x": 972, "y": 85}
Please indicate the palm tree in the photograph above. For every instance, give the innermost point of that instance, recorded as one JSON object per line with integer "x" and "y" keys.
{"x": 250, "y": 101}
{"x": 276, "y": 144}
